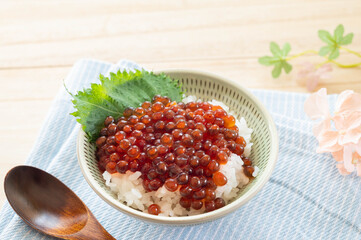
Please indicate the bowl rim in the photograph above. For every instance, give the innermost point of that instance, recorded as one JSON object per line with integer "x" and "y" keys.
{"x": 204, "y": 217}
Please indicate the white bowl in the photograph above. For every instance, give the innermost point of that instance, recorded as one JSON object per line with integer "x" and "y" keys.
{"x": 206, "y": 86}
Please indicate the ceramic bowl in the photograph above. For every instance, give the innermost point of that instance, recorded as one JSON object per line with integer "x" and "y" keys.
{"x": 206, "y": 86}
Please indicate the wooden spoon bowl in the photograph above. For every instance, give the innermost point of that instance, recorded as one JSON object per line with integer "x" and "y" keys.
{"x": 49, "y": 206}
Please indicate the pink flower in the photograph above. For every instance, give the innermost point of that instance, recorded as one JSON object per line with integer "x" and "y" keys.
{"x": 347, "y": 118}
{"x": 348, "y": 101}
{"x": 310, "y": 75}
{"x": 348, "y": 127}
{"x": 351, "y": 157}
{"x": 344, "y": 139}
{"x": 347, "y": 131}
{"x": 316, "y": 107}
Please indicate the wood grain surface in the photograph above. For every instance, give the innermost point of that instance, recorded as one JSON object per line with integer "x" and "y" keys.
{"x": 40, "y": 40}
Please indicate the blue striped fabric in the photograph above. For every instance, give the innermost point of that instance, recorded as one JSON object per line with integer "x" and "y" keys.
{"x": 306, "y": 198}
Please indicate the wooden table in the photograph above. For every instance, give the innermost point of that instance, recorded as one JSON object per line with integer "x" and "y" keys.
{"x": 40, "y": 41}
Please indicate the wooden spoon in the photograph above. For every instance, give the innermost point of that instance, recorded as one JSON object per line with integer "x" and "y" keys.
{"x": 49, "y": 206}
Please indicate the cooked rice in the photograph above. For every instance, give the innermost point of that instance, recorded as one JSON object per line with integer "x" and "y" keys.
{"x": 129, "y": 188}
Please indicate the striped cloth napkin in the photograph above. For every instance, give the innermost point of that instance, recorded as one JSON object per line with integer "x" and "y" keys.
{"x": 306, "y": 197}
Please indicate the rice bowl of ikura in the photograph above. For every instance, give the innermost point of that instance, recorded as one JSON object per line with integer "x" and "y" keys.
{"x": 183, "y": 162}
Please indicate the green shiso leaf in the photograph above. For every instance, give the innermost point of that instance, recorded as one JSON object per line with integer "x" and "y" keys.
{"x": 116, "y": 93}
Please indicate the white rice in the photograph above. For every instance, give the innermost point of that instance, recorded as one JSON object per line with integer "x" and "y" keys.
{"x": 129, "y": 188}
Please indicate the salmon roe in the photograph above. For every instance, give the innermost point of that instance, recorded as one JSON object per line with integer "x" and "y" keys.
{"x": 181, "y": 146}
{"x": 154, "y": 209}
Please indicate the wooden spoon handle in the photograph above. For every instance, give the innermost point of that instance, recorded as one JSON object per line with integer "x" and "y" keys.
{"x": 93, "y": 230}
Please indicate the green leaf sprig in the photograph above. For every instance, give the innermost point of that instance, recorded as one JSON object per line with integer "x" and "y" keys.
{"x": 278, "y": 59}
{"x": 116, "y": 93}
{"x": 335, "y": 43}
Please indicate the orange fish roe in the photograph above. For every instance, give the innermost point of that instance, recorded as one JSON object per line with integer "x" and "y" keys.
{"x": 181, "y": 146}
{"x": 154, "y": 209}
